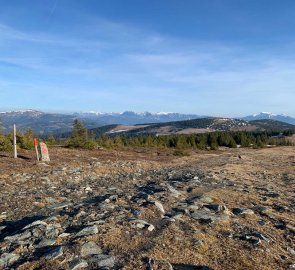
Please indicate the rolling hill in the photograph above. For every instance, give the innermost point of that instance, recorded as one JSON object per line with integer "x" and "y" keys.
{"x": 202, "y": 125}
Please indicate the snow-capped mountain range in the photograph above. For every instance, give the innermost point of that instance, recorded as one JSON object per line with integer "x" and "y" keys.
{"x": 269, "y": 115}
{"x": 44, "y": 123}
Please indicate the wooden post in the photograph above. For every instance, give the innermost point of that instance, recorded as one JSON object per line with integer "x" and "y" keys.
{"x": 14, "y": 142}
{"x": 36, "y": 148}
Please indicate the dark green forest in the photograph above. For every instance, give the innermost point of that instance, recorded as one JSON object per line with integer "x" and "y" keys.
{"x": 82, "y": 138}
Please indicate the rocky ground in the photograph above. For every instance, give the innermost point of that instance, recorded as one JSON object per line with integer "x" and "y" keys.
{"x": 139, "y": 209}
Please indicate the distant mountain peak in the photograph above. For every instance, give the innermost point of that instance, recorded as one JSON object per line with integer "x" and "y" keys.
{"x": 272, "y": 116}
{"x": 22, "y": 112}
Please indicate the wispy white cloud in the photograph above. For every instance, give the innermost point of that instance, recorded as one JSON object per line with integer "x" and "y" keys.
{"x": 112, "y": 60}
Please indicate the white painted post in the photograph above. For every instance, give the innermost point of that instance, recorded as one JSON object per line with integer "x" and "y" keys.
{"x": 14, "y": 142}
{"x": 36, "y": 148}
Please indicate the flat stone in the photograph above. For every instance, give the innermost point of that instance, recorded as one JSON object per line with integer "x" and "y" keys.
{"x": 18, "y": 237}
{"x": 290, "y": 227}
{"x": 7, "y": 259}
{"x": 205, "y": 217}
{"x": 190, "y": 267}
{"x": 243, "y": 211}
{"x": 173, "y": 191}
{"x": 90, "y": 248}
{"x": 88, "y": 231}
{"x": 291, "y": 251}
{"x": 102, "y": 260}
{"x": 206, "y": 199}
{"x": 135, "y": 212}
{"x": 142, "y": 224}
{"x": 151, "y": 227}
{"x": 52, "y": 230}
{"x": 59, "y": 205}
{"x": 3, "y": 216}
{"x": 77, "y": 264}
{"x": 53, "y": 253}
{"x": 273, "y": 195}
{"x": 198, "y": 243}
{"x": 215, "y": 207}
{"x": 260, "y": 209}
{"x": 35, "y": 223}
{"x": 261, "y": 237}
{"x": 64, "y": 235}
{"x": 159, "y": 206}
{"x": 45, "y": 243}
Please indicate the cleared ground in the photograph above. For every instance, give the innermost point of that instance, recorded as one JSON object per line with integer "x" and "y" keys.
{"x": 229, "y": 209}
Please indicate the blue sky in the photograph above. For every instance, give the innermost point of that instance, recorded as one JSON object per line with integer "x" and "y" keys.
{"x": 215, "y": 57}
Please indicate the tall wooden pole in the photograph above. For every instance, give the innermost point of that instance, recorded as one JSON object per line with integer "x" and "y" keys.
{"x": 14, "y": 142}
{"x": 36, "y": 148}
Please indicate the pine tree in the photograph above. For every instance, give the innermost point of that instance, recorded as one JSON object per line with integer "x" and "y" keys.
{"x": 79, "y": 138}
{"x": 5, "y": 144}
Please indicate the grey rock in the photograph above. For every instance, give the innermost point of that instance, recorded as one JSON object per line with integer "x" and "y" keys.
{"x": 77, "y": 264}
{"x": 59, "y": 205}
{"x": 18, "y": 237}
{"x": 88, "y": 231}
{"x": 198, "y": 243}
{"x": 102, "y": 260}
{"x": 206, "y": 199}
{"x": 159, "y": 206}
{"x": 3, "y": 216}
{"x": 135, "y": 212}
{"x": 151, "y": 227}
{"x": 215, "y": 207}
{"x": 45, "y": 243}
{"x": 273, "y": 195}
{"x": 261, "y": 237}
{"x": 139, "y": 223}
{"x": 35, "y": 223}
{"x": 173, "y": 191}
{"x": 254, "y": 238}
{"x": 206, "y": 217}
{"x": 189, "y": 267}
{"x": 260, "y": 209}
{"x": 243, "y": 211}
{"x": 52, "y": 230}
{"x": 7, "y": 259}
{"x": 53, "y": 253}
{"x": 2, "y": 228}
{"x": 291, "y": 250}
{"x": 90, "y": 248}
{"x": 290, "y": 227}
{"x": 64, "y": 235}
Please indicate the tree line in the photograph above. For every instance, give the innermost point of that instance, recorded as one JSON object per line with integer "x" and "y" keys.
{"x": 82, "y": 138}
